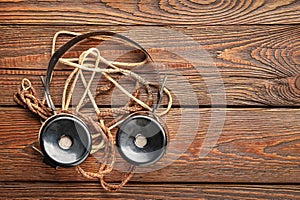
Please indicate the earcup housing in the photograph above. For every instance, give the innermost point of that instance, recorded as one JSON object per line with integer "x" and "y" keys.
{"x": 64, "y": 140}
{"x": 141, "y": 140}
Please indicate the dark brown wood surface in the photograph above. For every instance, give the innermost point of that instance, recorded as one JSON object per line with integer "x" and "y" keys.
{"x": 44, "y": 190}
{"x": 256, "y": 145}
{"x": 151, "y": 12}
{"x": 258, "y": 66}
{"x": 255, "y": 45}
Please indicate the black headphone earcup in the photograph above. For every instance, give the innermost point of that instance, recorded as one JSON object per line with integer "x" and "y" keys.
{"x": 141, "y": 140}
{"x": 65, "y": 140}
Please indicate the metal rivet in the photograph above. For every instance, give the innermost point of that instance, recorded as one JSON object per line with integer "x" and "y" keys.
{"x": 65, "y": 142}
{"x": 140, "y": 141}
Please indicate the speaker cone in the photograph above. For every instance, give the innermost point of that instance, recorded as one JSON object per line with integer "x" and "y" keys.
{"x": 65, "y": 140}
{"x": 141, "y": 140}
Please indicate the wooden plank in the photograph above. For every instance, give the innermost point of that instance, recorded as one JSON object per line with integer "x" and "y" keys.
{"x": 154, "y": 12}
{"x": 256, "y": 145}
{"x": 57, "y": 190}
{"x": 258, "y": 66}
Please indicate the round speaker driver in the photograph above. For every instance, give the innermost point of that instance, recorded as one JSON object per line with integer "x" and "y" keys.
{"x": 65, "y": 140}
{"x": 141, "y": 140}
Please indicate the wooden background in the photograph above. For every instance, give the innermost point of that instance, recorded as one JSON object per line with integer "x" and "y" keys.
{"x": 254, "y": 43}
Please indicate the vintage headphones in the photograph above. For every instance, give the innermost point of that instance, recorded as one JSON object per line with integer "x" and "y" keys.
{"x": 65, "y": 140}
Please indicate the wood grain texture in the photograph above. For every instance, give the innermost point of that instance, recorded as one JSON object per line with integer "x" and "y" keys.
{"x": 57, "y": 190}
{"x": 151, "y": 12}
{"x": 256, "y": 145}
{"x": 255, "y": 45}
{"x": 258, "y": 65}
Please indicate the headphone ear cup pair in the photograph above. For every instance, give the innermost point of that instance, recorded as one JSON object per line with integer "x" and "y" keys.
{"x": 141, "y": 140}
{"x": 64, "y": 140}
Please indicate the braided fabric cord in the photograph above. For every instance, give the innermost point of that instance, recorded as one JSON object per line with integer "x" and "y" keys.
{"x": 102, "y": 136}
{"x": 27, "y": 97}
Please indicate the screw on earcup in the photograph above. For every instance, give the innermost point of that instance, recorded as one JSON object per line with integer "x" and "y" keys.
{"x": 141, "y": 140}
{"x": 65, "y": 140}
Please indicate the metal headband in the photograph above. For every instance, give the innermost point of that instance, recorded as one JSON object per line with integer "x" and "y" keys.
{"x": 64, "y": 48}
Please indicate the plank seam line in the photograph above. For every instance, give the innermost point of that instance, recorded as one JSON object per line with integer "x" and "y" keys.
{"x": 163, "y": 183}
{"x": 237, "y": 107}
{"x": 149, "y": 25}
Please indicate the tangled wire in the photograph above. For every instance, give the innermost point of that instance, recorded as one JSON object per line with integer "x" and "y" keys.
{"x": 100, "y": 126}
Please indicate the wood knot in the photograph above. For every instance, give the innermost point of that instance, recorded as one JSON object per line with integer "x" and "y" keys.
{"x": 294, "y": 86}
{"x": 296, "y": 57}
{"x": 297, "y": 82}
